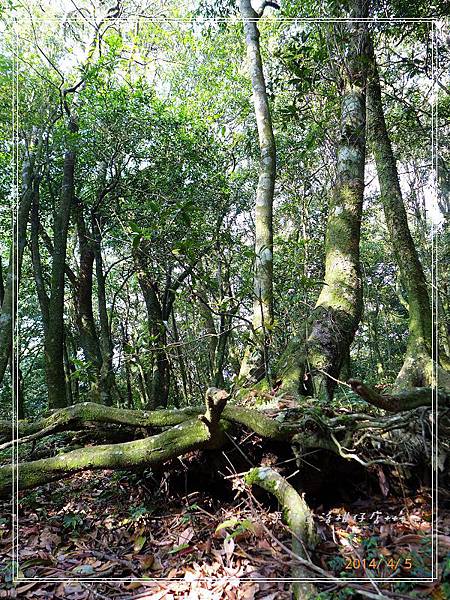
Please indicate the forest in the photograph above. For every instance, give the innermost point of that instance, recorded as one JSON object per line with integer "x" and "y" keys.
{"x": 224, "y": 299}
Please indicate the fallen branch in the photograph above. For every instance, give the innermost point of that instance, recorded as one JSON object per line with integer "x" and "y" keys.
{"x": 318, "y": 571}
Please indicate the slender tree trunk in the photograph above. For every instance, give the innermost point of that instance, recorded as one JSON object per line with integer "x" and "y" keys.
{"x": 157, "y": 312}
{"x": 309, "y": 367}
{"x": 54, "y": 340}
{"x": 181, "y": 362}
{"x": 68, "y": 374}
{"x": 417, "y": 369}
{"x": 87, "y": 330}
{"x": 124, "y": 330}
{"x": 37, "y": 262}
{"x": 256, "y": 360}
{"x": 2, "y": 283}
{"x": 210, "y": 328}
{"x": 8, "y": 305}
{"x": 160, "y": 377}
{"x": 108, "y": 386}
{"x": 20, "y": 394}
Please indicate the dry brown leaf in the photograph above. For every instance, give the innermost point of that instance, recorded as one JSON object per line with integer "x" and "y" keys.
{"x": 186, "y": 536}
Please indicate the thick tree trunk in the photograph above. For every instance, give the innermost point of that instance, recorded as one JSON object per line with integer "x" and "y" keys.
{"x": 256, "y": 360}
{"x": 309, "y": 367}
{"x": 10, "y": 287}
{"x": 418, "y": 369}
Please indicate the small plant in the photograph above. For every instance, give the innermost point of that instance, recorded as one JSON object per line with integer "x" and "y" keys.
{"x": 30, "y": 499}
{"x": 336, "y": 563}
{"x": 7, "y": 572}
{"x": 370, "y": 546}
{"x": 347, "y": 592}
{"x": 72, "y": 521}
{"x": 136, "y": 512}
{"x": 237, "y": 526}
{"x": 189, "y": 515}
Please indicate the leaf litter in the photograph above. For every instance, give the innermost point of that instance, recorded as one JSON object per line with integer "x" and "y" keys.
{"x": 109, "y": 526}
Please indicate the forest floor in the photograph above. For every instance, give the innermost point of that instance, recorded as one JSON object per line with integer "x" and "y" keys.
{"x": 122, "y": 527}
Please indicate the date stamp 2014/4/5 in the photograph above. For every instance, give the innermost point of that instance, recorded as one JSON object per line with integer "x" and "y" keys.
{"x": 376, "y": 564}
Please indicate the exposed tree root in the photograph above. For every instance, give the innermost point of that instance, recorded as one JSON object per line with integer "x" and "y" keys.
{"x": 401, "y": 439}
{"x": 407, "y": 400}
{"x": 205, "y": 431}
{"x": 299, "y": 519}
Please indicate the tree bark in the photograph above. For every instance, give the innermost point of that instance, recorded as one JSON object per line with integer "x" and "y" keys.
{"x": 87, "y": 330}
{"x": 309, "y": 367}
{"x": 108, "y": 386}
{"x": 2, "y": 283}
{"x": 10, "y": 287}
{"x": 54, "y": 340}
{"x": 256, "y": 360}
{"x": 417, "y": 369}
{"x": 160, "y": 374}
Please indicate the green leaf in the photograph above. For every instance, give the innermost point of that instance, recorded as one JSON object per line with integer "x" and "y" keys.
{"x": 176, "y": 549}
{"x": 139, "y": 543}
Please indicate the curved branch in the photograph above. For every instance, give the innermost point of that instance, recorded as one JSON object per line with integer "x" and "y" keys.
{"x": 408, "y": 400}
{"x": 78, "y": 415}
{"x": 151, "y": 451}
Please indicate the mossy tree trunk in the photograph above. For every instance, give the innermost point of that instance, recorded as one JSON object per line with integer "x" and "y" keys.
{"x": 203, "y": 431}
{"x": 307, "y": 365}
{"x": 418, "y": 369}
{"x": 256, "y": 359}
{"x": 299, "y": 519}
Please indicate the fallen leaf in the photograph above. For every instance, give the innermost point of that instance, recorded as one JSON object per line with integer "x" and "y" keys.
{"x": 139, "y": 543}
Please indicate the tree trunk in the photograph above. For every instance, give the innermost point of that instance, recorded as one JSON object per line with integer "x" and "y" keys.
{"x": 160, "y": 377}
{"x": 108, "y": 387}
{"x": 256, "y": 360}
{"x": 417, "y": 369}
{"x": 10, "y": 287}
{"x": 309, "y": 367}
{"x": 87, "y": 331}
{"x": 2, "y": 283}
{"x": 54, "y": 340}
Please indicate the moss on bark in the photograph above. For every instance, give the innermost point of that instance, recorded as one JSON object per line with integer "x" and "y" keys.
{"x": 298, "y": 517}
